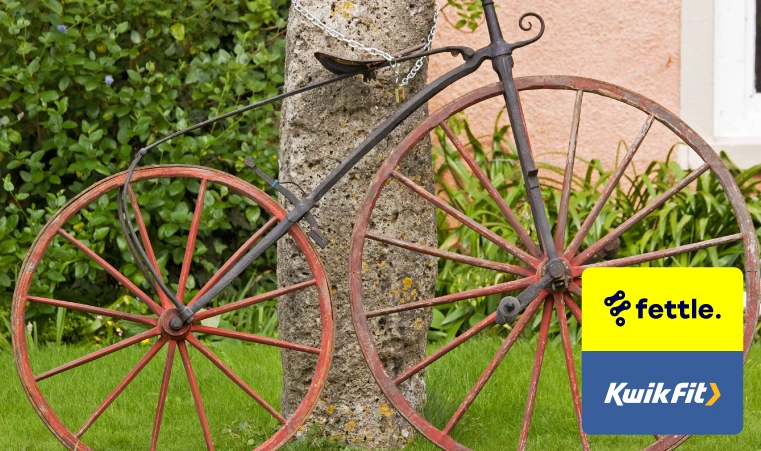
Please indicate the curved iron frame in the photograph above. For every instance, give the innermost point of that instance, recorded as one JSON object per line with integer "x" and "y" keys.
{"x": 499, "y": 52}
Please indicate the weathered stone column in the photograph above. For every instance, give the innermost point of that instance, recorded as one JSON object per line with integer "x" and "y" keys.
{"x": 318, "y": 129}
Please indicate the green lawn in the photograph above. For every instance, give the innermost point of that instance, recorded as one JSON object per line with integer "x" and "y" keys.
{"x": 492, "y": 423}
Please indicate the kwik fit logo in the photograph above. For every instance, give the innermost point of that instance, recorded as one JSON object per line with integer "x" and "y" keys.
{"x": 662, "y": 351}
{"x": 656, "y": 392}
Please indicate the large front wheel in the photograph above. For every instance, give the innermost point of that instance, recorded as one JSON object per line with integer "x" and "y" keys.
{"x": 487, "y": 249}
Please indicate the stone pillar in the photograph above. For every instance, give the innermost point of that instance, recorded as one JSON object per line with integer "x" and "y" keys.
{"x": 317, "y": 130}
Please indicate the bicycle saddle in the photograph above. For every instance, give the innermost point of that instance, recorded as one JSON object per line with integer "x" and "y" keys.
{"x": 340, "y": 65}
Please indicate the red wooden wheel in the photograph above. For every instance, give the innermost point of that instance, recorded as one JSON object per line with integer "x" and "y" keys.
{"x": 154, "y": 315}
{"x": 580, "y": 242}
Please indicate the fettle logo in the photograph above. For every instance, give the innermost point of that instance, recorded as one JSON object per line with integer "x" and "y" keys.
{"x": 656, "y": 392}
{"x": 615, "y": 311}
{"x": 670, "y": 310}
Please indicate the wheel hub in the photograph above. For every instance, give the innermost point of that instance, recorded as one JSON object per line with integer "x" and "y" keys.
{"x": 560, "y": 271}
{"x": 165, "y": 325}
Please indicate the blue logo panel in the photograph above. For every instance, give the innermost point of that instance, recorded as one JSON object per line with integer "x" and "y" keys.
{"x": 662, "y": 392}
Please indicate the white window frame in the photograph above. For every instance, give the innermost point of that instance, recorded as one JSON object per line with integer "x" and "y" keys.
{"x": 737, "y": 112}
{"x": 718, "y": 95}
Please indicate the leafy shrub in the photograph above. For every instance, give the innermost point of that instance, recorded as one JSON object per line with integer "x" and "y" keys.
{"x": 467, "y": 14}
{"x": 84, "y": 83}
{"x": 699, "y": 212}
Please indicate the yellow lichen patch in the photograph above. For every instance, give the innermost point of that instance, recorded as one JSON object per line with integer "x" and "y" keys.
{"x": 365, "y": 266}
{"x": 413, "y": 293}
{"x": 385, "y": 410}
{"x": 350, "y": 426}
{"x": 418, "y": 323}
{"x": 331, "y": 408}
{"x": 406, "y": 284}
{"x": 344, "y": 8}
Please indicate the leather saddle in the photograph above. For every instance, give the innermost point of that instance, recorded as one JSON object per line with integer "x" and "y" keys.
{"x": 340, "y": 65}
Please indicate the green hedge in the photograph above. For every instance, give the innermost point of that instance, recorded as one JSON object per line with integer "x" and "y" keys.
{"x": 85, "y": 83}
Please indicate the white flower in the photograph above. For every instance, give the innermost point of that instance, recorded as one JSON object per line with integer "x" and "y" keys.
{"x": 29, "y": 327}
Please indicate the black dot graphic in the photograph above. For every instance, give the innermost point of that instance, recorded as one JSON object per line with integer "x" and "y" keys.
{"x": 718, "y": 316}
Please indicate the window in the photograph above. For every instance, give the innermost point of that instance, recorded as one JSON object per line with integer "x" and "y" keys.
{"x": 721, "y": 76}
{"x": 758, "y": 46}
{"x": 738, "y": 104}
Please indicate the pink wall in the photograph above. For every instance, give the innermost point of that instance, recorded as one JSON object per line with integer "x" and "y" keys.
{"x": 634, "y": 44}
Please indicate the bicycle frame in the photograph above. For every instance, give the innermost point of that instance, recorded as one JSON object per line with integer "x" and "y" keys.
{"x": 498, "y": 51}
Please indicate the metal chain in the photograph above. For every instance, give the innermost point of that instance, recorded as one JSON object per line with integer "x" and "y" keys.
{"x": 371, "y": 50}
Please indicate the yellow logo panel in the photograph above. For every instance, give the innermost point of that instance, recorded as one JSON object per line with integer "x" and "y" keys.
{"x": 662, "y": 309}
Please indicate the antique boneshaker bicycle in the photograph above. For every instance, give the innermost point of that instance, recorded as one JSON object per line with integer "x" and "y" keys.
{"x": 542, "y": 272}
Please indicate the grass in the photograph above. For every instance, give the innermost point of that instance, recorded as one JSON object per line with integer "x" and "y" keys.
{"x": 492, "y": 423}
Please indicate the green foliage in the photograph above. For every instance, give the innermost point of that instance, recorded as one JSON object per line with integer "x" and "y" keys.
{"x": 469, "y": 13}
{"x": 84, "y": 83}
{"x": 697, "y": 213}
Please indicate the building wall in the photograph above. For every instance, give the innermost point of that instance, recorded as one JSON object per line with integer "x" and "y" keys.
{"x": 635, "y": 44}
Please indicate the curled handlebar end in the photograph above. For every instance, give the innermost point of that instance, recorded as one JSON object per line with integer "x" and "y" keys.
{"x": 526, "y": 25}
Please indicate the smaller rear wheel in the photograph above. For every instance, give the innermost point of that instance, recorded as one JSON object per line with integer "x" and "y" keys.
{"x": 150, "y": 393}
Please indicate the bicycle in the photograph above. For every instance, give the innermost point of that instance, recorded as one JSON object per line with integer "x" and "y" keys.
{"x": 545, "y": 271}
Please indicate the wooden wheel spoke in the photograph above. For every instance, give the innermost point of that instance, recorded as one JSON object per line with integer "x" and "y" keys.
{"x": 541, "y": 344}
{"x": 575, "y": 288}
{"x": 584, "y": 256}
{"x": 565, "y": 195}
{"x": 566, "y": 339}
{"x": 234, "y": 259}
{"x": 523, "y": 235}
{"x": 196, "y": 394}
{"x": 495, "y": 361}
{"x": 162, "y": 394}
{"x": 191, "y": 244}
{"x": 470, "y": 333}
{"x": 432, "y": 251}
{"x": 121, "y": 278}
{"x": 253, "y": 300}
{"x": 609, "y": 187}
{"x": 235, "y": 378}
{"x": 99, "y": 353}
{"x": 95, "y": 310}
{"x": 465, "y": 220}
{"x": 573, "y": 307}
{"x": 461, "y": 296}
{"x": 255, "y": 339}
{"x": 122, "y": 385}
{"x": 655, "y": 255}
{"x": 165, "y": 302}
